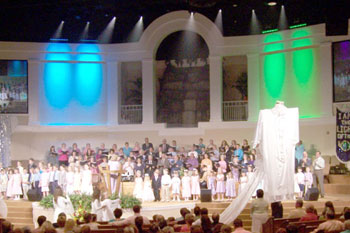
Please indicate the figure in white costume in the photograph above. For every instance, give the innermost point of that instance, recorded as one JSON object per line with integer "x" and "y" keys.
{"x": 62, "y": 204}
{"x": 3, "y": 209}
{"x": 276, "y": 136}
{"x": 103, "y": 209}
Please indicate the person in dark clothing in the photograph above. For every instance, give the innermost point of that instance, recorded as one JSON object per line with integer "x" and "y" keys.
{"x": 156, "y": 185}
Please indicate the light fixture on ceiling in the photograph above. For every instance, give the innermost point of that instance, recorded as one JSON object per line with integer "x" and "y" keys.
{"x": 272, "y": 3}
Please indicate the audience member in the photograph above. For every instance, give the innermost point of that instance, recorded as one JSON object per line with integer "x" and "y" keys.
{"x": 310, "y": 215}
{"x": 298, "y": 212}
{"x": 225, "y": 229}
{"x": 277, "y": 209}
{"x": 331, "y": 224}
{"x": 238, "y": 225}
{"x": 131, "y": 219}
{"x": 259, "y": 211}
{"x": 346, "y": 227}
{"x": 189, "y": 219}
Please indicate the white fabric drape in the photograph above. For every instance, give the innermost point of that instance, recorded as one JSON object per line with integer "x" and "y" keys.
{"x": 276, "y": 135}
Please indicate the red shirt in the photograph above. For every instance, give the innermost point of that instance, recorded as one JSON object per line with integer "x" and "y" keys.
{"x": 309, "y": 217}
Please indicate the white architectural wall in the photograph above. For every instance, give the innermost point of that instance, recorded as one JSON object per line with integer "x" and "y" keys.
{"x": 33, "y": 139}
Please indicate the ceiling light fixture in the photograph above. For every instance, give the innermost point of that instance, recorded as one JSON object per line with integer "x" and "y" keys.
{"x": 272, "y": 3}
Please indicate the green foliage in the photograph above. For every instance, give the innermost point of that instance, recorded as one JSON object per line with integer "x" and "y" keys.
{"x": 47, "y": 202}
{"x": 128, "y": 201}
{"x": 81, "y": 200}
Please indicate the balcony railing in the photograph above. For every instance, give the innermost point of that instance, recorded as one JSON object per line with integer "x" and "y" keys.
{"x": 235, "y": 110}
{"x": 131, "y": 114}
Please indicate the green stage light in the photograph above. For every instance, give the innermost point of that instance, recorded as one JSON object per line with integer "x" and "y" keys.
{"x": 298, "y": 25}
{"x": 269, "y": 31}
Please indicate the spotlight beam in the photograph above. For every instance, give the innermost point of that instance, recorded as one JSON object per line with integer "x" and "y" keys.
{"x": 137, "y": 31}
{"x": 106, "y": 35}
{"x": 58, "y": 32}
{"x": 84, "y": 35}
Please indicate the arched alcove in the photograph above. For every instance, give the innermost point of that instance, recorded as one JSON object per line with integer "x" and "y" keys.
{"x": 182, "y": 79}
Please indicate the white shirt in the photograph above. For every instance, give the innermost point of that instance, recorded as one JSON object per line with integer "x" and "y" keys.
{"x": 166, "y": 180}
{"x": 300, "y": 178}
{"x": 318, "y": 163}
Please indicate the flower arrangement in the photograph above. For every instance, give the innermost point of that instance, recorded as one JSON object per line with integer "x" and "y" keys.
{"x": 79, "y": 212}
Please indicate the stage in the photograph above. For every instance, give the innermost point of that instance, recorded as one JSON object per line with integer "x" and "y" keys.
{"x": 24, "y": 213}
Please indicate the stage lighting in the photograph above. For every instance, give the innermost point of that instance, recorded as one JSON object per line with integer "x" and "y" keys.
{"x": 272, "y": 3}
{"x": 255, "y": 27}
{"x": 218, "y": 20}
{"x": 137, "y": 31}
{"x": 282, "y": 22}
{"x": 106, "y": 35}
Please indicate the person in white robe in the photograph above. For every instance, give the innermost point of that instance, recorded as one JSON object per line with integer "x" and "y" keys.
{"x": 103, "y": 209}
{"x": 62, "y": 204}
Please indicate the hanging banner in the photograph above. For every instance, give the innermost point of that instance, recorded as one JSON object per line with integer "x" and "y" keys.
{"x": 343, "y": 136}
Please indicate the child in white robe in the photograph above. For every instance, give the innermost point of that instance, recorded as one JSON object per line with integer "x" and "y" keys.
{"x": 86, "y": 184}
{"x": 138, "y": 187}
{"x": 195, "y": 187}
{"x": 186, "y": 186}
{"x": 243, "y": 181}
{"x": 45, "y": 181}
{"x": 175, "y": 186}
{"x": 300, "y": 177}
{"x": 70, "y": 180}
{"x": 147, "y": 194}
{"x": 3, "y": 183}
{"x": 77, "y": 180}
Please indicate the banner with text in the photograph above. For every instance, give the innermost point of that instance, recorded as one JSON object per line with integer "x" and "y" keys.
{"x": 343, "y": 136}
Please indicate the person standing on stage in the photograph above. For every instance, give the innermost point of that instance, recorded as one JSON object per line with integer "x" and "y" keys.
{"x": 156, "y": 184}
{"x": 318, "y": 165}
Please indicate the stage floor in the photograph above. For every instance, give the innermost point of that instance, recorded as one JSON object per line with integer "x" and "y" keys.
{"x": 25, "y": 213}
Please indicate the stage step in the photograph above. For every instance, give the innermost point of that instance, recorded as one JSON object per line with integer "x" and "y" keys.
{"x": 337, "y": 188}
{"x": 20, "y": 213}
{"x": 339, "y": 179}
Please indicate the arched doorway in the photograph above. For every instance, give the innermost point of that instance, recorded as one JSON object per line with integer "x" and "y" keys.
{"x": 182, "y": 79}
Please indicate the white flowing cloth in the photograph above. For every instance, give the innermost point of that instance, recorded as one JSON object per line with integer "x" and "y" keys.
{"x": 276, "y": 136}
{"x": 3, "y": 209}
{"x": 104, "y": 209}
{"x": 63, "y": 205}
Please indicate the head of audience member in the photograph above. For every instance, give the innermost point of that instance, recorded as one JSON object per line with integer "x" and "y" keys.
{"x": 299, "y": 203}
{"x": 40, "y": 220}
{"x": 215, "y": 217}
{"x": 61, "y": 221}
{"x": 330, "y": 215}
{"x": 139, "y": 222}
{"x": 162, "y": 223}
{"x": 347, "y": 225}
{"x": 260, "y": 193}
{"x": 136, "y": 209}
{"x": 170, "y": 219}
{"x": 47, "y": 227}
{"x": 281, "y": 230}
{"x": 197, "y": 211}
{"x": 206, "y": 223}
{"x": 183, "y": 212}
{"x": 204, "y": 211}
{"x": 130, "y": 229}
{"x": 225, "y": 229}
{"x": 6, "y": 226}
{"x": 159, "y": 218}
{"x": 87, "y": 218}
{"x": 189, "y": 219}
{"x": 70, "y": 224}
{"x": 196, "y": 229}
{"x": 237, "y": 223}
{"x": 118, "y": 213}
{"x": 85, "y": 229}
{"x": 328, "y": 206}
{"x": 347, "y": 215}
{"x": 168, "y": 229}
{"x": 291, "y": 228}
{"x": 318, "y": 154}
{"x": 310, "y": 208}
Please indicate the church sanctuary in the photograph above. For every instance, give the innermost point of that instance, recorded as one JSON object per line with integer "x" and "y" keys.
{"x": 166, "y": 116}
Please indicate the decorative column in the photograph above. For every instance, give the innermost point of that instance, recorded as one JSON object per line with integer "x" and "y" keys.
{"x": 113, "y": 92}
{"x": 253, "y": 87}
{"x": 326, "y": 79}
{"x": 215, "y": 80}
{"x": 148, "y": 92}
{"x": 34, "y": 73}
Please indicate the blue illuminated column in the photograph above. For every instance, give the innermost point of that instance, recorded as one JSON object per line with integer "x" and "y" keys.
{"x": 148, "y": 92}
